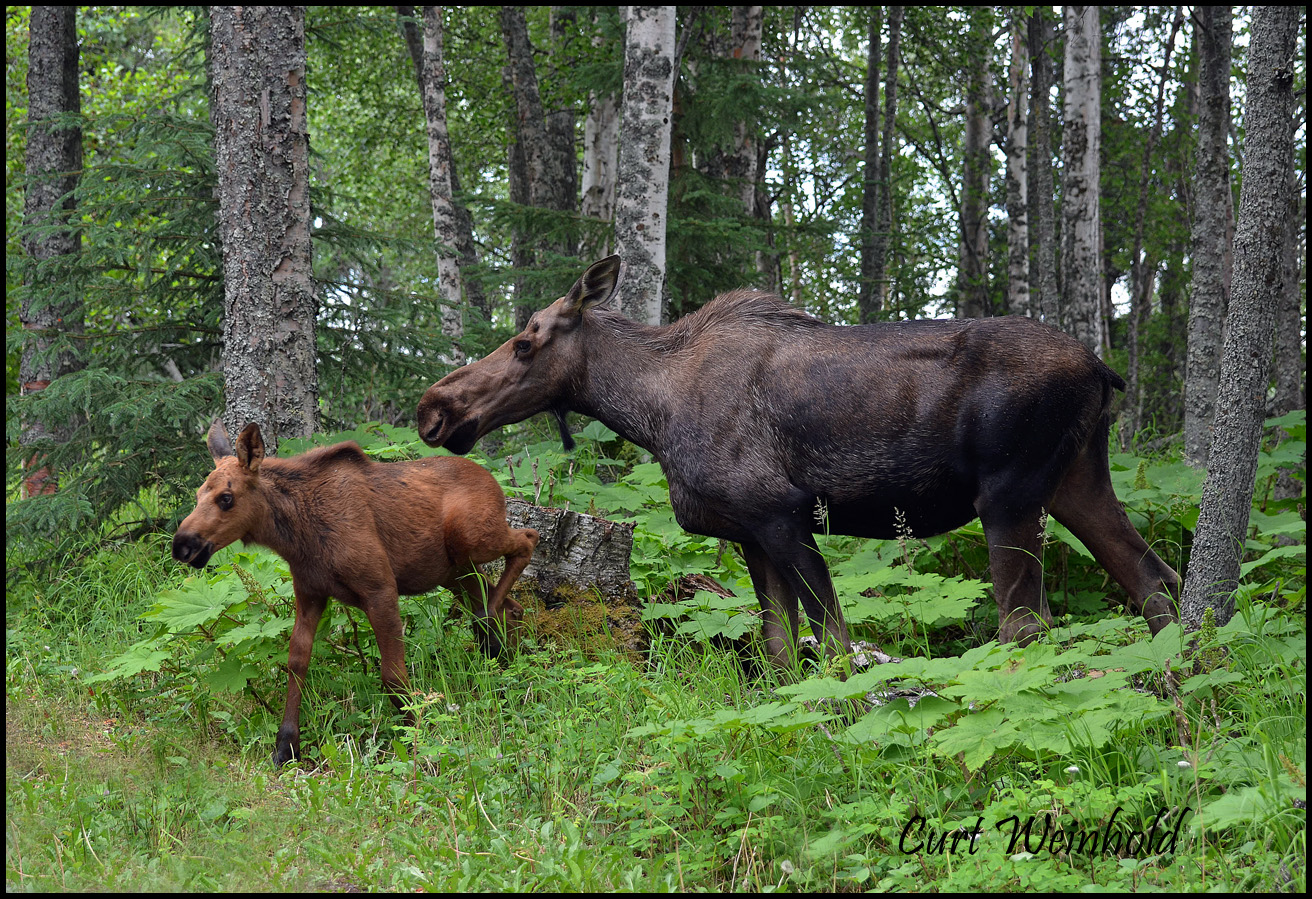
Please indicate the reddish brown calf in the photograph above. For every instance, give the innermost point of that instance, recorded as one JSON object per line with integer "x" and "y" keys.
{"x": 364, "y": 532}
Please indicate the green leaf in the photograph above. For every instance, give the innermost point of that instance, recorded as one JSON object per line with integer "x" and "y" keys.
{"x": 196, "y": 602}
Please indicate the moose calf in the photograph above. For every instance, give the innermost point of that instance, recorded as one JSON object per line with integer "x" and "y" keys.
{"x": 364, "y": 532}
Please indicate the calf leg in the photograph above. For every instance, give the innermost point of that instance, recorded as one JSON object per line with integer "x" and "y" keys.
{"x": 1087, "y": 505}
{"x": 384, "y": 616}
{"x": 309, "y": 609}
{"x": 778, "y": 606}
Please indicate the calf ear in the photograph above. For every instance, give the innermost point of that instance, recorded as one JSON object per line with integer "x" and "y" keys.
{"x": 217, "y": 440}
{"x": 250, "y": 447}
{"x": 595, "y": 286}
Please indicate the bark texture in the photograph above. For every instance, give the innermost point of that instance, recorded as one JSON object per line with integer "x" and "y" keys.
{"x": 1211, "y": 251}
{"x": 977, "y": 169}
{"x": 261, "y": 149}
{"x": 1043, "y": 210}
{"x": 1258, "y": 281}
{"x": 49, "y": 312}
{"x": 644, "y": 160}
{"x": 1018, "y": 226}
{"x": 1081, "y": 255}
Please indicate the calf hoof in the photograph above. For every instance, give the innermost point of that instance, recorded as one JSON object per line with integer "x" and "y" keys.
{"x": 288, "y": 747}
{"x": 1158, "y": 611}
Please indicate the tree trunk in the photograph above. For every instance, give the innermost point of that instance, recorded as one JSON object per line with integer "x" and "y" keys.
{"x": 432, "y": 78}
{"x": 1211, "y": 230}
{"x": 1018, "y": 228}
{"x": 49, "y": 312}
{"x": 868, "y": 292}
{"x": 601, "y": 142}
{"x": 464, "y": 224}
{"x": 1289, "y": 369}
{"x": 261, "y": 150}
{"x": 737, "y": 166}
{"x": 884, "y": 214}
{"x": 545, "y": 143}
{"x": 1042, "y": 195}
{"x": 1081, "y": 256}
{"x": 1143, "y": 270}
{"x": 641, "y": 202}
{"x": 977, "y": 163}
{"x": 1258, "y": 282}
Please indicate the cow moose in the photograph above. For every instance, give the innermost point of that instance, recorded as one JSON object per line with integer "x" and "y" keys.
{"x": 771, "y": 425}
{"x": 363, "y": 532}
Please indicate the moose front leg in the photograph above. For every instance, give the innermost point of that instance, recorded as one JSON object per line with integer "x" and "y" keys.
{"x": 793, "y": 553}
{"x": 309, "y": 609}
{"x": 778, "y": 606}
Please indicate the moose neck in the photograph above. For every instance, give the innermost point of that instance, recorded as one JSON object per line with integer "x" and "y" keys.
{"x": 630, "y": 368}
{"x": 283, "y": 494}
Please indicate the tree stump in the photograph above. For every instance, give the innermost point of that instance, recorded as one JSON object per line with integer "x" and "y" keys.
{"x": 577, "y": 588}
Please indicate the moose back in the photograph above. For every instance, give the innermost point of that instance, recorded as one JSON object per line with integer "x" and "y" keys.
{"x": 363, "y": 532}
{"x": 770, "y": 425}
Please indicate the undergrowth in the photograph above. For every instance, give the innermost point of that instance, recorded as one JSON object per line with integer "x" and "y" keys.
{"x": 143, "y": 701}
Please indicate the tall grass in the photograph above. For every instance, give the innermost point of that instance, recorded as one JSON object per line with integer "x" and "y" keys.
{"x": 570, "y": 770}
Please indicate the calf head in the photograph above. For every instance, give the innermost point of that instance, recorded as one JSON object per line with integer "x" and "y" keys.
{"x": 228, "y": 504}
{"x": 529, "y": 373}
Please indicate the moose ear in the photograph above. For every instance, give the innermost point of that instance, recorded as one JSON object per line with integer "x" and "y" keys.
{"x": 595, "y": 286}
{"x": 250, "y": 447}
{"x": 217, "y": 440}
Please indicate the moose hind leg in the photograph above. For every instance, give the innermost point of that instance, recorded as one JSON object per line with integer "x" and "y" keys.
{"x": 1015, "y": 544}
{"x": 1087, "y": 505}
{"x": 385, "y": 618}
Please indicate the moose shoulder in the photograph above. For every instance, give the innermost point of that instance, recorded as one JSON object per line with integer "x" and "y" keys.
{"x": 770, "y": 425}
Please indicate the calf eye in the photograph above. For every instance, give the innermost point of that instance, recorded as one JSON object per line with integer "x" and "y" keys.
{"x": 522, "y": 347}
{"x": 225, "y": 501}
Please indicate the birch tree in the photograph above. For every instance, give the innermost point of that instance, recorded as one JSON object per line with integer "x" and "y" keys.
{"x": 1258, "y": 279}
{"x": 50, "y": 312}
{"x": 977, "y": 166}
{"x": 446, "y": 228}
{"x": 601, "y": 142}
{"x": 1018, "y": 229}
{"x": 1081, "y": 256}
{"x": 642, "y": 195}
{"x": 411, "y": 28}
{"x": 1042, "y": 196}
{"x": 1211, "y": 250}
{"x": 261, "y": 150}
{"x": 877, "y": 199}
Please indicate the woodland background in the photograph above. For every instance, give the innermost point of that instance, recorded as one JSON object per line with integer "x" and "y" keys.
{"x": 865, "y": 163}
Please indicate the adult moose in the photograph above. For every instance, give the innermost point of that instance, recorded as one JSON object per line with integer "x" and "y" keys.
{"x": 364, "y": 532}
{"x": 770, "y": 425}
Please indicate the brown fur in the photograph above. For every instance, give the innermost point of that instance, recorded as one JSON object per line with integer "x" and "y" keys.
{"x": 363, "y": 532}
{"x": 771, "y": 425}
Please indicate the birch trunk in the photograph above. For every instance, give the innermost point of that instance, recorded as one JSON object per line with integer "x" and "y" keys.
{"x": 411, "y": 27}
{"x": 1018, "y": 227}
{"x": 1258, "y": 280}
{"x": 1081, "y": 214}
{"x": 601, "y": 143}
{"x": 446, "y": 227}
{"x": 49, "y": 312}
{"x": 261, "y": 149}
{"x": 867, "y": 298}
{"x": 1043, "y": 198}
{"x": 973, "y": 270}
{"x": 1211, "y": 230}
{"x": 641, "y": 201}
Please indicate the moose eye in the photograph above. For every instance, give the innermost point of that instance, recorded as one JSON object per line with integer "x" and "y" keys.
{"x": 522, "y": 347}
{"x": 224, "y": 501}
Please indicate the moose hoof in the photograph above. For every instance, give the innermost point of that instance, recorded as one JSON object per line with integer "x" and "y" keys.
{"x": 288, "y": 747}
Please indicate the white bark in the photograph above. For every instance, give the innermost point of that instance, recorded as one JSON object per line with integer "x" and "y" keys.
{"x": 445, "y": 223}
{"x": 1081, "y": 212}
{"x": 644, "y": 159}
{"x": 1018, "y": 228}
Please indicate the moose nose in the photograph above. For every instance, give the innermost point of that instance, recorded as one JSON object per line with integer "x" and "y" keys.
{"x": 192, "y": 549}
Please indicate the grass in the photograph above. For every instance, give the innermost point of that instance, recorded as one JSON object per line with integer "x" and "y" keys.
{"x": 570, "y": 769}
